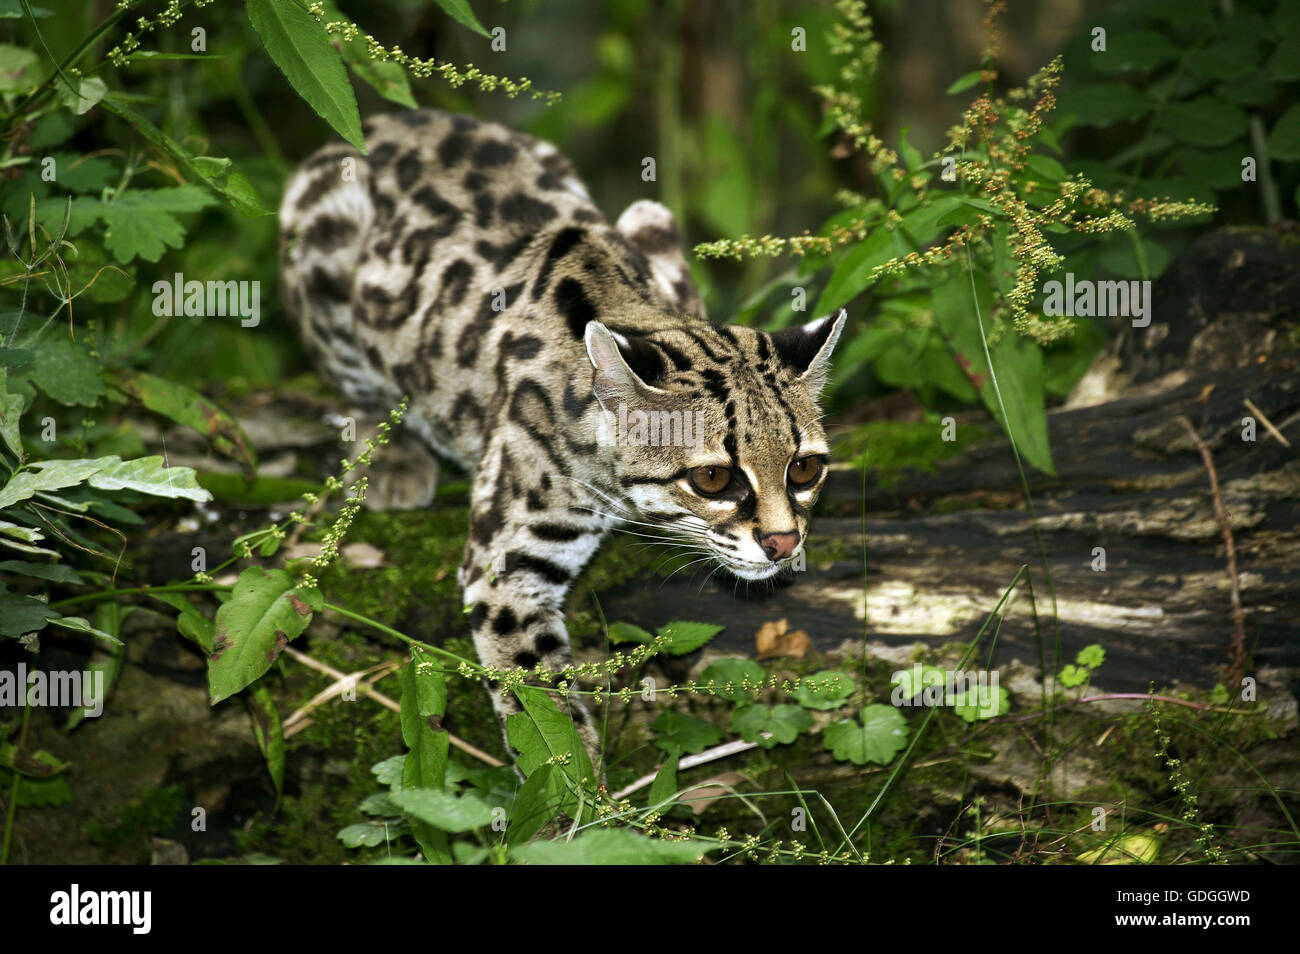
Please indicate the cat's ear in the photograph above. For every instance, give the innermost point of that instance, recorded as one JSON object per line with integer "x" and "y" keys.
{"x": 623, "y": 368}
{"x": 806, "y": 349}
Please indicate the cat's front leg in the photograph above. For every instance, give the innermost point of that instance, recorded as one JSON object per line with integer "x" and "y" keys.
{"x": 522, "y": 556}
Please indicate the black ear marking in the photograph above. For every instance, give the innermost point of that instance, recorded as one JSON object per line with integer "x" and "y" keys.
{"x": 797, "y": 347}
{"x": 642, "y": 357}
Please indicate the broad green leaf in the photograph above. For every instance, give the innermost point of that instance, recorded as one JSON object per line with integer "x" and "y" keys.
{"x": 22, "y": 614}
{"x": 1018, "y": 364}
{"x": 610, "y": 846}
{"x": 1091, "y": 656}
{"x": 770, "y": 726}
{"x": 1204, "y": 121}
{"x": 148, "y": 475}
{"x": 79, "y": 625}
{"x": 76, "y": 173}
{"x": 828, "y": 689}
{"x": 538, "y": 801}
{"x": 19, "y": 69}
{"x": 627, "y": 633}
{"x": 65, "y": 371}
{"x": 141, "y": 222}
{"x": 558, "y": 733}
{"x": 685, "y": 638}
{"x": 1101, "y": 104}
{"x": 681, "y": 732}
{"x": 963, "y": 83}
{"x": 269, "y": 734}
{"x": 186, "y": 406}
{"x": 390, "y": 771}
{"x": 461, "y": 12}
{"x": 729, "y": 679}
{"x": 853, "y": 275}
{"x": 664, "y": 787}
{"x": 298, "y": 45}
{"x": 369, "y": 833}
{"x": 1284, "y": 140}
{"x": 104, "y": 660}
{"x": 444, "y": 810}
{"x": 11, "y": 411}
{"x": 878, "y": 737}
{"x": 1134, "y": 50}
{"x": 265, "y": 612}
{"x": 215, "y": 173}
{"x": 981, "y": 704}
{"x": 80, "y": 93}
{"x": 424, "y": 701}
{"x": 192, "y": 623}
{"x": 50, "y": 475}
{"x": 54, "y": 572}
{"x": 13, "y": 10}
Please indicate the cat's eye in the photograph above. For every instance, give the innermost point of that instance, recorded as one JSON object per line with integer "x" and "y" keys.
{"x": 710, "y": 480}
{"x": 804, "y": 471}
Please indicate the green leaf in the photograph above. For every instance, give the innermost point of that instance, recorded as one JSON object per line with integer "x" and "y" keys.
{"x": 1018, "y": 364}
{"x": 980, "y": 706}
{"x": 76, "y": 173}
{"x": 19, "y": 69}
{"x": 685, "y": 638}
{"x": 65, "y": 371}
{"x": 1225, "y": 59}
{"x": 443, "y": 810}
{"x": 268, "y": 732}
{"x": 192, "y": 623}
{"x": 627, "y": 633}
{"x": 149, "y": 475}
{"x": 664, "y": 787}
{"x": 214, "y": 173}
{"x": 1102, "y": 104}
{"x": 1073, "y": 676}
{"x": 369, "y": 833}
{"x": 1204, "y": 121}
{"x": 828, "y": 689}
{"x": 11, "y": 411}
{"x": 265, "y": 612}
{"x": 141, "y": 223}
{"x": 82, "y": 94}
{"x": 1284, "y": 140}
{"x": 189, "y": 408}
{"x": 680, "y": 732}
{"x": 728, "y": 677}
{"x": 770, "y": 726}
{"x": 79, "y": 625}
{"x": 537, "y": 802}
{"x": 13, "y": 10}
{"x": 461, "y": 12}
{"x": 1091, "y": 656}
{"x": 558, "y": 734}
{"x": 298, "y": 45}
{"x": 54, "y": 572}
{"x": 880, "y": 736}
{"x": 50, "y": 475}
{"x": 1134, "y": 50}
{"x": 964, "y": 83}
{"x": 610, "y": 846}
{"x": 22, "y": 614}
{"x": 424, "y": 702}
{"x": 853, "y": 275}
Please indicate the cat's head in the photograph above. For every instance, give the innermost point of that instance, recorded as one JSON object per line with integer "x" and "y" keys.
{"x": 718, "y": 433}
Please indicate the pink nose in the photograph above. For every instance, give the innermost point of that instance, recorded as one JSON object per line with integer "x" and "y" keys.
{"x": 777, "y": 546}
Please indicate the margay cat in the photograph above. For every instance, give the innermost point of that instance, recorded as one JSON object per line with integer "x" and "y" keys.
{"x": 463, "y": 264}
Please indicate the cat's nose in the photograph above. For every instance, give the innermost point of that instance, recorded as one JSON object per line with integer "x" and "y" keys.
{"x": 777, "y": 546}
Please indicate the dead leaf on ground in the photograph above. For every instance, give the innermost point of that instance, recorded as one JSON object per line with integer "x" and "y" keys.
{"x": 710, "y": 790}
{"x": 774, "y": 639}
